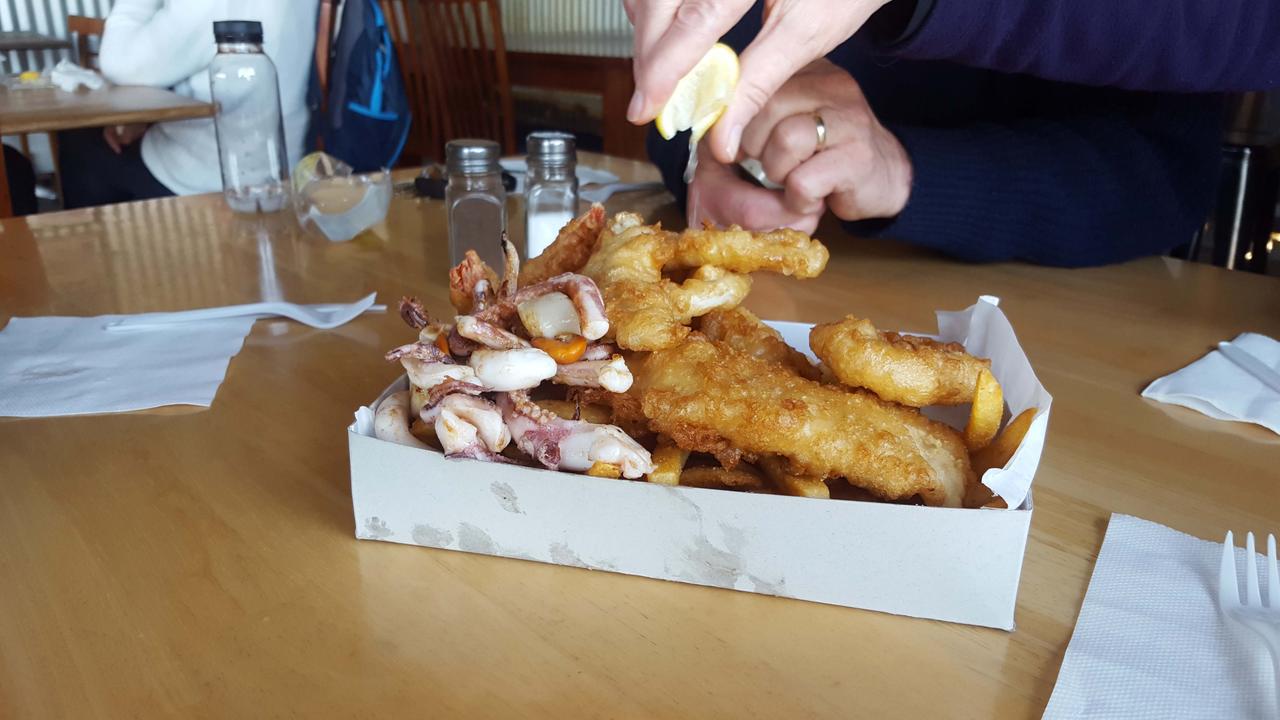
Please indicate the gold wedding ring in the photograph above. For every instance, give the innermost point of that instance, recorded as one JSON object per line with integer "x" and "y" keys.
{"x": 821, "y": 127}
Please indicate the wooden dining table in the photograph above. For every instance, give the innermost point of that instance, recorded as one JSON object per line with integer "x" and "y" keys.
{"x": 51, "y": 109}
{"x": 192, "y": 562}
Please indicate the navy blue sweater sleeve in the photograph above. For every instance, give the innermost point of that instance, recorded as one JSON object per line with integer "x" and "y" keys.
{"x": 1088, "y": 189}
{"x": 1169, "y": 45}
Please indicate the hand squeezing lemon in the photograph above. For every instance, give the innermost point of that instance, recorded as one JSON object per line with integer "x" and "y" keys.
{"x": 699, "y": 99}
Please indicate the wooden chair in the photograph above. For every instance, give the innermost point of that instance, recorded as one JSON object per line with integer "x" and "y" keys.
{"x": 81, "y": 29}
{"x": 453, "y": 59}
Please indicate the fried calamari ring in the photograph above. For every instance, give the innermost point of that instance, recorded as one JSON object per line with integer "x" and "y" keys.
{"x": 651, "y": 312}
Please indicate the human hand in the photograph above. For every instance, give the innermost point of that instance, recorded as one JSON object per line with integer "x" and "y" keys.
{"x": 672, "y": 35}
{"x": 861, "y": 172}
{"x": 119, "y": 137}
{"x": 719, "y": 195}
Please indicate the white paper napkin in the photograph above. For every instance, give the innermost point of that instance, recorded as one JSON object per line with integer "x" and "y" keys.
{"x": 68, "y": 76}
{"x": 1150, "y": 641}
{"x": 72, "y": 366}
{"x": 1219, "y": 388}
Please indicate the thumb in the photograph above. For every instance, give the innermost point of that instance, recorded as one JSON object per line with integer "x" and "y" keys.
{"x": 764, "y": 67}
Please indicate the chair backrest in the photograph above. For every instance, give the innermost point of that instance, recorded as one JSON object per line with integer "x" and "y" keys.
{"x": 453, "y": 59}
{"x": 83, "y": 28}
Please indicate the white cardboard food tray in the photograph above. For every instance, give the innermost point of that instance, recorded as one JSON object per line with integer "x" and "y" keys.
{"x": 948, "y": 564}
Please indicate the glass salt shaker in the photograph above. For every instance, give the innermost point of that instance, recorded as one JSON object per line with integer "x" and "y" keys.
{"x": 551, "y": 188}
{"x": 476, "y": 200}
{"x": 248, "y": 124}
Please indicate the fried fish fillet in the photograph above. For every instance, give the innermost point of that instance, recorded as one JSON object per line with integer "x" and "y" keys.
{"x": 711, "y": 398}
{"x": 569, "y": 252}
{"x": 904, "y": 369}
{"x": 741, "y": 330}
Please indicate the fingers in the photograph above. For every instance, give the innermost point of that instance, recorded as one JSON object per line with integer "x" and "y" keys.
{"x": 113, "y": 142}
{"x": 719, "y": 196}
{"x": 794, "y": 33}
{"x": 671, "y": 37}
{"x": 792, "y": 142}
{"x": 856, "y": 181}
{"x": 764, "y": 67}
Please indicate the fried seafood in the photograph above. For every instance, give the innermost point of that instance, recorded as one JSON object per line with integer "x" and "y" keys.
{"x": 741, "y": 330}
{"x": 649, "y": 311}
{"x": 471, "y": 282}
{"x": 905, "y": 369}
{"x": 573, "y": 245}
{"x": 784, "y": 251}
{"x": 576, "y": 445}
{"x": 712, "y": 398}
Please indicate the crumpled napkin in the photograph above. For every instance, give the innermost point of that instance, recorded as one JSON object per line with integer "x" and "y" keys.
{"x": 1217, "y": 387}
{"x": 72, "y": 366}
{"x": 68, "y": 76}
{"x": 1150, "y": 641}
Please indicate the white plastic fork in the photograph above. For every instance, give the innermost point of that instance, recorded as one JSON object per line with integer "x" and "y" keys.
{"x": 1261, "y": 619}
{"x": 323, "y": 317}
{"x": 598, "y": 193}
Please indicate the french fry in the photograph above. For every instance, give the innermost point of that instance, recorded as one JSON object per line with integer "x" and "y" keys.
{"x": 740, "y": 477}
{"x": 778, "y": 470}
{"x": 426, "y": 432}
{"x": 1001, "y": 450}
{"x": 604, "y": 470}
{"x": 668, "y": 462}
{"x": 598, "y": 414}
{"x": 986, "y": 413}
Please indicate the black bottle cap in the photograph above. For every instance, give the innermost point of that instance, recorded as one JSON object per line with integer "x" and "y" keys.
{"x": 237, "y": 31}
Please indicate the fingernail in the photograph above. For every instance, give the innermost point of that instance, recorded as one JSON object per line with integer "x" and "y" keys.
{"x": 636, "y": 107}
{"x": 731, "y": 145}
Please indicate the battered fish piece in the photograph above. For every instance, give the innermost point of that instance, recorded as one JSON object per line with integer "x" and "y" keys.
{"x": 741, "y": 330}
{"x": 904, "y": 369}
{"x": 569, "y": 252}
{"x": 708, "y": 397}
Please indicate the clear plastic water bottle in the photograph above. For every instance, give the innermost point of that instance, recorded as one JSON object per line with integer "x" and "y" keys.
{"x": 250, "y": 126}
{"x": 476, "y": 200}
{"x": 551, "y": 188}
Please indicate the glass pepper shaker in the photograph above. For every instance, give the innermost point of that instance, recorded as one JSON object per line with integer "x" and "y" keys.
{"x": 476, "y": 200}
{"x": 551, "y": 188}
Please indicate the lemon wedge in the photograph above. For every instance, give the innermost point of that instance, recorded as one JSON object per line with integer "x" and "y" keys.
{"x": 701, "y": 96}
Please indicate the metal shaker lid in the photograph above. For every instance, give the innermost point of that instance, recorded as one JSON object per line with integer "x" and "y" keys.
{"x": 471, "y": 156}
{"x": 551, "y": 148}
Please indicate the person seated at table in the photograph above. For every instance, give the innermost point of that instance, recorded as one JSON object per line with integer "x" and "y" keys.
{"x": 170, "y": 44}
{"x": 21, "y": 176}
{"x": 977, "y": 164}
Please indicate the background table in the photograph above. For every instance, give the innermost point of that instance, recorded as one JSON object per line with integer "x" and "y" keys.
{"x": 51, "y": 109}
{"x": 201, "y": 563}
{"x": 11, "y": 40}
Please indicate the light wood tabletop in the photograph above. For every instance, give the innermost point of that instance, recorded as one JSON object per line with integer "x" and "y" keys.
{"x": 202, "y": 562}
{"x": 51, "y": 109}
